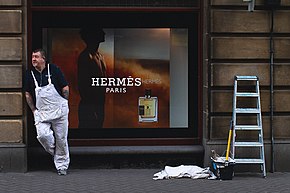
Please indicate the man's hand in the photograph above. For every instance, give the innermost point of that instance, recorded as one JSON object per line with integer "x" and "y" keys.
{"x": 65, "y": 92}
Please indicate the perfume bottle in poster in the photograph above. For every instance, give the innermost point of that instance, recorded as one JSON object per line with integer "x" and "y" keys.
{"x": 148, "y": 108}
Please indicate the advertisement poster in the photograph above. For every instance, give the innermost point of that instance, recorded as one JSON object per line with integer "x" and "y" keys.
{"x": 118, "y": 78}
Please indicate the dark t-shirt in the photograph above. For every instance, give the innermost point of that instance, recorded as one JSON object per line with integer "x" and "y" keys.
{"x": 57, "y": 79}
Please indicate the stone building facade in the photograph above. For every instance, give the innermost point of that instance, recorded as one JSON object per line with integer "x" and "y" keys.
{"x": 13, "y": 52}
{"x": 234, "y": 41}
{"x": 237, "y": 42}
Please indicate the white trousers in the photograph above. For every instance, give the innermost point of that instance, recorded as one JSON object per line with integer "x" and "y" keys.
{"x": 52, "y": 136}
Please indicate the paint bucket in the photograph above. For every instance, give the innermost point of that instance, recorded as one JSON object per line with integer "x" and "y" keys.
{"x": 224, "y": 170}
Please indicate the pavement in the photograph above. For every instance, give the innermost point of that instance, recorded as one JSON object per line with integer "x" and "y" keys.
{"x": 136, "y": 181}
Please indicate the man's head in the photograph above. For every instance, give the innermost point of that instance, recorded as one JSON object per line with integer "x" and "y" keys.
{"x": 38, "y": 59}
{"x": 92, "y": 35}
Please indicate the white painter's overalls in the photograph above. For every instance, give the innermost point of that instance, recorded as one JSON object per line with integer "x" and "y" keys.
{"x": 51, "y": 122}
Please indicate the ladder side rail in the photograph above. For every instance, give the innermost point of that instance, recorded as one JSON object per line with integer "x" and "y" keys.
{"x": 259, "y": 121}
{"x": 261, "y": 139}
{"x": 234, "y": 117}
{"x": 260, "y": 114}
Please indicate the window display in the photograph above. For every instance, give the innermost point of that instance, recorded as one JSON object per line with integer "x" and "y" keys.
{"x": 109, "y": 70}
{"x": 110, "y": 59}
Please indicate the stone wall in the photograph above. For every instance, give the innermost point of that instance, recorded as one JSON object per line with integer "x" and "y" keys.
{"x": 12, "y": 60}
{"x": 237, "y": 42}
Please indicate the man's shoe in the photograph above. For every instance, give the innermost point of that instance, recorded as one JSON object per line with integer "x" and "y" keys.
{"x": 62, "y": 172}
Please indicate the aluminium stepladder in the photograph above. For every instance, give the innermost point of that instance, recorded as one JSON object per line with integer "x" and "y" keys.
{"x": 247, "y": 118}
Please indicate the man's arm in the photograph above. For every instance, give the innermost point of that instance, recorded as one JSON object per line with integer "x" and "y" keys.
{"x": 65, "y": 92}
{"x": 29, "y": 101}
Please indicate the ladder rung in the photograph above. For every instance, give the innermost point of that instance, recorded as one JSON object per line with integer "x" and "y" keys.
{"x": 247, "y": 110}
{"x": 247, "y": 94}
{"x": 248, "y": 144}
{"x": 248, "y": 127}
{"x": 249, "y": 161}
{"x": 246, "y": 78}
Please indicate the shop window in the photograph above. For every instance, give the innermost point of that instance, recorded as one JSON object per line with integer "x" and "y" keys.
{"x": 142, "y": 83}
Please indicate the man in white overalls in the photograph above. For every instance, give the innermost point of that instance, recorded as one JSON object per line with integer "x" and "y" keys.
{"x": 47, "y": 96}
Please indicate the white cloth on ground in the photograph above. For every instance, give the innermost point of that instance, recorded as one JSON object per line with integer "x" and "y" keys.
{"x": 189, "y": 171}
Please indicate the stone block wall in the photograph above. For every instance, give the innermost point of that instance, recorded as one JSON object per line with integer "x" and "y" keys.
{"x": 12, "y": 64}
{"x": 237, "y": 42}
